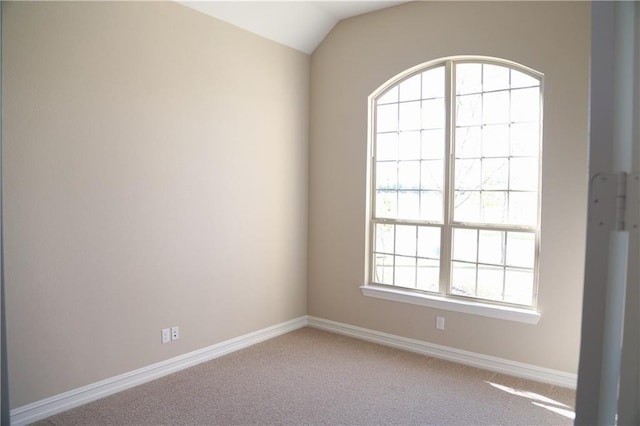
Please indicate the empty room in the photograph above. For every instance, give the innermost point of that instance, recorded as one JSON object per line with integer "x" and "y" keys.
{"x": 313, "y": 213}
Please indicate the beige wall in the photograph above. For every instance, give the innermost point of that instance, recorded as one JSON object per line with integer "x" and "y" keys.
{"x": 155, "y": 174}
{"x": 362, "y": 53}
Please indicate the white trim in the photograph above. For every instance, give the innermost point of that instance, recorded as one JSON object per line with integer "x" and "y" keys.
{"x": 508, "y": 313}
{"x": 58, "y": 403}
{"x": 486, "y": 362}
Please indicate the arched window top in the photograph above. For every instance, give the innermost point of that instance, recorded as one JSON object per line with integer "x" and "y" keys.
{"x": 474, "y": 74}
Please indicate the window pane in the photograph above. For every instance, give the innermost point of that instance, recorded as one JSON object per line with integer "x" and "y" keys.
{"x": 432, "y": 174}
{"x": 525, "y": 139}
{"x": 405, "y": 271}
{"x": 383, "y": 269}
{"x": 433, "y": 114}
{"x": 494, "y": 207}
{"x": 433, "y": 83}
{"x": 387, "y": 118}
{"x": 490, "y": 281}
{"x": 384, "y": 238}
{"x": 467, "y": 174}
{"x": 409, "y": 204}
{"x": 463, "y": 279}
{"x": 519, "y": 79}
{"x": 525, "y": 105}
{"x": 468, "y": 142}
{"x": 386, "y": 175}
{"x": 494, "y": 179}
{"x": 495, "y": 173}
{"x": 406, "y": 236}
{"x": 495, "y": 141}
{"x": 524, "y": 174}
{"x": 390, "y": 96}
{"x": 409, "y": 148}
{"x": 518, "y": 286}
{"x": 410, "y": 89}
{"x": 495, "y": 108}
{"x": 409, "y": 116}
{"x": 468, "y": 78}
{"x": 491, "y": 247}
{"x": 521, "y": 249}
{"x": 465, "y": 244}
{"x": 387, "y": 146}
{"x": 466, "y": 206}
{"x": 495, "y": 77}
{"x": 433, "y": 144}
{"x": 428, "y": 275}
{"x": 409, "y": 174}
{"x": 523, "y": 208}
{"x": 429, "y": 242}
{"x": 386, "y": 204}
{"x": 431, "y": 205}
{"x": 468, "y": 110}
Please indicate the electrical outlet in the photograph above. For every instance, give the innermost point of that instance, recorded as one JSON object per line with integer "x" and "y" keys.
{"x": 440, "y": 323}
{"x": 175, "y": 333}
{"x": 166, "y": 335}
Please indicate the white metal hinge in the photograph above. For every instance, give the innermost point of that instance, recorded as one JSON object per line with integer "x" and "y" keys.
{"x": 614, "y": 201}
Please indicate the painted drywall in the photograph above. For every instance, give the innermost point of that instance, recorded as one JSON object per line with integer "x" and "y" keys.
{"x": 362, "y": 53}
{"x": 155, "y": 175}
{"x": 4, "y": 372}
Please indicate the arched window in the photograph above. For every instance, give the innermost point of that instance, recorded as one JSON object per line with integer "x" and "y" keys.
{"x": 455, "y": 181}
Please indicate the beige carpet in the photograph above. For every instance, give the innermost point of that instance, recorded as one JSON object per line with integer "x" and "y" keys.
{"x": 314, "y": 377}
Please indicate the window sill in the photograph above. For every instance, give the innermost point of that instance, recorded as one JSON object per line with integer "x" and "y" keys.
{"x": 468, "y": 307}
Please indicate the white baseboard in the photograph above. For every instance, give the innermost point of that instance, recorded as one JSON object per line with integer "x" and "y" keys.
{"x": 56, "y": 404}
{"x": 498, "y": 365}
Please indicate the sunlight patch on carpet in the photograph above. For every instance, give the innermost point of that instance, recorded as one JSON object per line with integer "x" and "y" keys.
{"x": 538, "y": 400}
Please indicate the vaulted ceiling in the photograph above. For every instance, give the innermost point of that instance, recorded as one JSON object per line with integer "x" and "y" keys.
{"x": 301, "y": 25}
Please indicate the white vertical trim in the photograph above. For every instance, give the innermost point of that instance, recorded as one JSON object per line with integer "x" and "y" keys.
{"x": 629, "y": 393}
{"x": 446, "y": 230}
{"x": 612, "y": 339}
{"x": 614, "y": 76}
{"x": 600, "y": 155}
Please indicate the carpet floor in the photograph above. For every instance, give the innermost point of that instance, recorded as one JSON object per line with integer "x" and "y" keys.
{"x": 314, "y": 377}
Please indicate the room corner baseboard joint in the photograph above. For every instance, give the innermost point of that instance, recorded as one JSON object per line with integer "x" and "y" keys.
{"x": 58, "y": 403}
{"x": 39, "y": 410}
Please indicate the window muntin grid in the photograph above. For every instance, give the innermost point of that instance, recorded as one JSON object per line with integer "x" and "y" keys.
{"x": 410, "y": 138}
{"x": 475, "y": 113}
{"x": 496, "y": 173}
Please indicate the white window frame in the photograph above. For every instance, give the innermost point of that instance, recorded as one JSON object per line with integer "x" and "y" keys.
{"x": 444, "y": 299}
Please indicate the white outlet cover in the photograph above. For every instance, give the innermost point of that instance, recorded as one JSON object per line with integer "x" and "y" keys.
{"x": 175, "y": 333}
{"x": 166, "y": 335}
{"x": 440, "y": 323}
